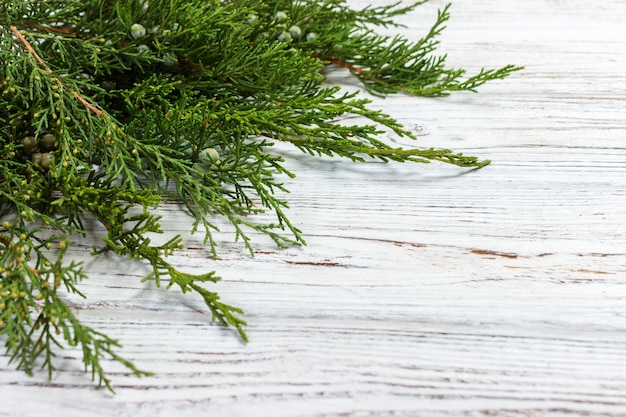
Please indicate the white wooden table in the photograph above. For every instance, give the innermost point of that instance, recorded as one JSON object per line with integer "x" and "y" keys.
{"x": 424, "y": 290}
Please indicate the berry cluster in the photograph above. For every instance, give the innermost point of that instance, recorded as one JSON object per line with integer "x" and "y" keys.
{"x": 140, "y": 33}
{"x": 283, "y": 29}
{"x": 39, "y": 150}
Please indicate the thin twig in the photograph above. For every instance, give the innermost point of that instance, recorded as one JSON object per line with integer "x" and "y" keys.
{"x": 35, "y": 55}
{"x": 63, "y": 31}
{"x": 341, "y": 63}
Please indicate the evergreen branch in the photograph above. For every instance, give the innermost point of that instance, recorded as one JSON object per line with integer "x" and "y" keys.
{"x": 109, "y": 108}
{"x": 223, "y": 313}
{"x": 387, "y": 65}
{"x": 37, "y": 58}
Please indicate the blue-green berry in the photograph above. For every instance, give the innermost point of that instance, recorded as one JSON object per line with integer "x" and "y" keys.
{"x": 200, "y": 169}
{"x": 209, "y": 156}
{"x": 143, "y": 49}
{"x": 284, "y": 37}
{"x": 170, "y": 59}
{"x": 137, "y": 31}
{"x": 310, "y": 36}
{"x": 295, "y": 32}
{"x": 281, "y": 16}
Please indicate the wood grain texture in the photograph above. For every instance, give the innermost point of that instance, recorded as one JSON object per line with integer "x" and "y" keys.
{"x": 424, "y": 290}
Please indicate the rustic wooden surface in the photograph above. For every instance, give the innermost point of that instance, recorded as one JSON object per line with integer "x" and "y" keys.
{"x": 424, "y": 290}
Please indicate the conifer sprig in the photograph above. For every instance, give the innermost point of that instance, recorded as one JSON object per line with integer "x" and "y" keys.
{"x": 107, "y": 108}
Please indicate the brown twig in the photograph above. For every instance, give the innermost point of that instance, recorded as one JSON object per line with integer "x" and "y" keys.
{"x": 63, "y": 31}
{"x": 340, "y": 63}
{"x": 35, "y": 55}
{"x": 191, "y": 65}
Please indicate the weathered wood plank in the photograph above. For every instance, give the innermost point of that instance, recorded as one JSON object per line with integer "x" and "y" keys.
{"x": 424, "y": 290}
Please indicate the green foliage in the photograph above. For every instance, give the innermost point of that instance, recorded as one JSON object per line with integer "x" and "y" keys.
{"x": 108, "y": 107}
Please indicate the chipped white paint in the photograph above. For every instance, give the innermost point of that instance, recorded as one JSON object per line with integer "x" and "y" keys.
{"x": 425, "y": 290}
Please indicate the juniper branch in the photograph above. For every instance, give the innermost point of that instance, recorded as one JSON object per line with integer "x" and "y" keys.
{"x": 108, "y": 108}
